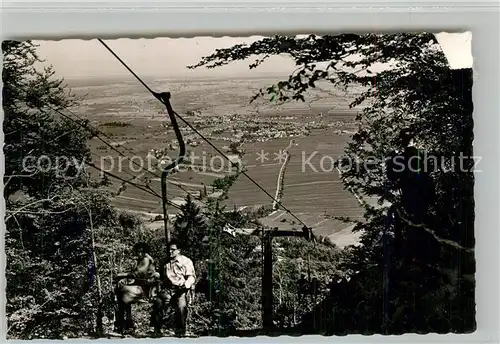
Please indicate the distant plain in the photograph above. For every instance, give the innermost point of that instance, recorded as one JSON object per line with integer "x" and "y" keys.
{"x": 137, "y": 124}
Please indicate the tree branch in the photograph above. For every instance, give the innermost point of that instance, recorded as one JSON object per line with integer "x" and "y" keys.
{"x": 37, "y": 212}
{"x": 451, "y": 243}
{"x": 18, "y": 176}
{"x": 14, "y": 212}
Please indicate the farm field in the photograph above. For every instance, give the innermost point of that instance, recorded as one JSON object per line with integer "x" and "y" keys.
{"x": 137, "y": 125}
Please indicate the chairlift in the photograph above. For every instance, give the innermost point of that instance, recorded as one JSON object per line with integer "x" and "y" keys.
{"x": 267, "y": 290}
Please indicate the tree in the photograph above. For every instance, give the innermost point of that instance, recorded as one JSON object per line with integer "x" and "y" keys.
{"x": 190, "y": 229}
{"x": 53, "y": 268}
{"x": 51, "y": 206}
{"x": 34, "y": 132}
{"x": 296, "y": 299}
{"x": 235, "y": 274}
{"x": 416, "y": 90}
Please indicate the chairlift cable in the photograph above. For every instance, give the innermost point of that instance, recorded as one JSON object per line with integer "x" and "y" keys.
{"x": 164, "y": 98}
{"x": 170, "y": 110}
{"x": 106, "y": 172}
{"x": 89, "y": 127}
{"x": 128, "y": 182}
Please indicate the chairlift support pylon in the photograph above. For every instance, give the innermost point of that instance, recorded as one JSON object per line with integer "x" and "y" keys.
{"x": 267, "y": 276}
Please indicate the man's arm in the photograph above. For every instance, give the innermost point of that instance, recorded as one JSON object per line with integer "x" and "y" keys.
{"x": 190, "y": 274}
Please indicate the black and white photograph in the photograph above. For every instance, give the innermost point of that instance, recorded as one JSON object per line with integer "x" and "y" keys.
{"x": 239, "y": 186}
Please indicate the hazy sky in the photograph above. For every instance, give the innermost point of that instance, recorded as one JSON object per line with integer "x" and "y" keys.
{"x": 168, "y": 58}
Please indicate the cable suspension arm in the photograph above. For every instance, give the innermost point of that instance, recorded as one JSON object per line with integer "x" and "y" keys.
{"x": 164, "y": 98}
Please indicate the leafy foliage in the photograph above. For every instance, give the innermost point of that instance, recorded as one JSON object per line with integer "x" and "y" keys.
{"x": 190, "y": 228}
{"x": 57, "y": 218}
{"x": 402, "y": 82}
{"x": 225, "y": 182}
